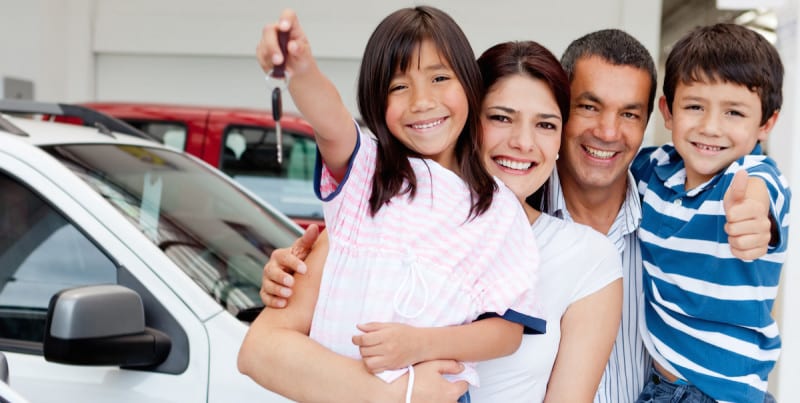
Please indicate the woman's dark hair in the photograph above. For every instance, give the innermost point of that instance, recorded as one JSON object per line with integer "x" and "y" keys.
{"x": 531, "y": 59}
{"x": 391, "y": 47}
{"x": 526, "y": 58}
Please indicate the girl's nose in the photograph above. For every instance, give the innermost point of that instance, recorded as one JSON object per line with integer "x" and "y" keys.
{"x": 421, "y": 100}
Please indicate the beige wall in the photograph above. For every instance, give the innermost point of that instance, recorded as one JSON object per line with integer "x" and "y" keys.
{"x": 201, "y": 51}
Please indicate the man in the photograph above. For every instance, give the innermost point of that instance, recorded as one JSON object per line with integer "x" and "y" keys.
{"x": 613, "y": 84}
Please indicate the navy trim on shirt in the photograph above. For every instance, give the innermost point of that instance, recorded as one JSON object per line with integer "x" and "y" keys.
{"x": 318, "y": 170}
{"x": 531, "y": 325}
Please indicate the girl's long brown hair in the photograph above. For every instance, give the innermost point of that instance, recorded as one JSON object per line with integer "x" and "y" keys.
{"x": 391, "y": 47}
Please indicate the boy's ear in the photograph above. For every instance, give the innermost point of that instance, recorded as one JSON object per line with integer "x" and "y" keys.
{"x": 766, "y": 128}
{"x": 664, "y": 108}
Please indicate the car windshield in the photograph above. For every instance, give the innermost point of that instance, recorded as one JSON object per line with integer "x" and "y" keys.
{"x": 216, "y": 234}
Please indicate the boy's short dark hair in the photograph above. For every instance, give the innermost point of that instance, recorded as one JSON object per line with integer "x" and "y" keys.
{"x": 730, "y": 53}
{"x": 616, "y": 47}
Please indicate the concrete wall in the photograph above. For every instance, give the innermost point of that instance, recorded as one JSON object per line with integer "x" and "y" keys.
{"x": 201, "y": 51}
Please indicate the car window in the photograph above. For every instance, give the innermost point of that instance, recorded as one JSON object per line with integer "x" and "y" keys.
{"x": 254, "y": 151}
{"x": 251, "y": 157}
{"x": 211, "y": 230}
{"x": 172, "y": 134}
{"x": 41, "y": 253}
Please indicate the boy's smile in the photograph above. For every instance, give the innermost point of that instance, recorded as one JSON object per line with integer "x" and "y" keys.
{"x": 713, "y": 124}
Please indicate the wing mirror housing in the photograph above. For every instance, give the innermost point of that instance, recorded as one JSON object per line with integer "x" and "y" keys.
{"x": 101, "y": 325}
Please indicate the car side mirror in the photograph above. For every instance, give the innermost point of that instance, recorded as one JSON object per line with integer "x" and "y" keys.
{"x": 101, "y": 325}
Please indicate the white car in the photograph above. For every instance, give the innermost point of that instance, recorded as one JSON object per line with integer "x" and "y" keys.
{"x": 129, "y": 271}
{"x": 7, "y": 394}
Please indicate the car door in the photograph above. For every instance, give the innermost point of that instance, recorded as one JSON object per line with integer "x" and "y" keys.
{"x": 52, "y": 239}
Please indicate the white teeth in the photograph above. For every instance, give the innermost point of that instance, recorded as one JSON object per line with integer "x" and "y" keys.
{"x": 427, "y": 125}
{"x": 518, "y": 165}
{"x": 599, "y": 153}
{"x": 706, "y": 147}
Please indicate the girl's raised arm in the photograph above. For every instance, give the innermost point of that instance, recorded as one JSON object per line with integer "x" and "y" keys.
{"x": 312, "y": 92}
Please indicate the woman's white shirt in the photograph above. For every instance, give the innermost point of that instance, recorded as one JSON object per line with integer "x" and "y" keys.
{"x": 576, "y": 261}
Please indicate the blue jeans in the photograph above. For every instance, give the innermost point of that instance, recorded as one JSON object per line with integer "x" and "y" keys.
{"x": 464, "y": 398}
{"x": 659, "y": 390}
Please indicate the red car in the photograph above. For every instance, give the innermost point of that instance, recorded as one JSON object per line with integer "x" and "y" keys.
{"x": 242, "y": 143}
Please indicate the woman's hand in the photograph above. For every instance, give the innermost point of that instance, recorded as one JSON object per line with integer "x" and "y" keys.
{"x": 277, "y": 278}
{"x": 430, "y": 384}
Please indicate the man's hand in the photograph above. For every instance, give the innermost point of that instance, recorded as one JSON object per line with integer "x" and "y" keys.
{"x": 386, "y": 346}
{"x": 277, "y": 277}
{"x": 749, "y": 224}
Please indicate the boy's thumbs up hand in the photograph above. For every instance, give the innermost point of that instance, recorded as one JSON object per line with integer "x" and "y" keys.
{"x": 736, "y": 191}
{"x": 749, "y": 224}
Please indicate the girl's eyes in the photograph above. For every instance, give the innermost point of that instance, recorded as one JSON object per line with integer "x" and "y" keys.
{"x": 547, "y": 125}
{"x": 397, "y": 87}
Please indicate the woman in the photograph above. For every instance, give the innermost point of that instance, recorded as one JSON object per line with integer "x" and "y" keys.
{"x": 526, "y": 104}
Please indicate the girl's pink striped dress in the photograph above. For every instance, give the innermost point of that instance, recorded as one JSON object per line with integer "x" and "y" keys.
{"x": 420, "y": 262}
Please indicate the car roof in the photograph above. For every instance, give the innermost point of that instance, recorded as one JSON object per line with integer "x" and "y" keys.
{"x": 43, "y": 133}
{"x": 186, "y": 107}
{"x": 154, "y": 110}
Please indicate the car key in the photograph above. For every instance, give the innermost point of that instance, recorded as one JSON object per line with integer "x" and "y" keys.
{"x": 279, "y": 74}
{"x": 277, "y": 107}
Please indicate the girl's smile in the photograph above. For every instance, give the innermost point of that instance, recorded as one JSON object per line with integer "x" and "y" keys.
{"x": 427, "y": 107}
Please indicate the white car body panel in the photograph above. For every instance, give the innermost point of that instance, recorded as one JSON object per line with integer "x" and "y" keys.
{"x": 214, "y": 335}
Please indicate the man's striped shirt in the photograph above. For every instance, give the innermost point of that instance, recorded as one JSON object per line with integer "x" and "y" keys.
{"x": 624, "y": 376}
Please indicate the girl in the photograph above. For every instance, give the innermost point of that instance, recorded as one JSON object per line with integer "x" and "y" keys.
{"x": 523, "y": 112}
{"x": 413, "y": 217}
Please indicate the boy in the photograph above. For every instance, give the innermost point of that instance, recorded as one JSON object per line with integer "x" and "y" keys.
{"x": 707, "y": 321}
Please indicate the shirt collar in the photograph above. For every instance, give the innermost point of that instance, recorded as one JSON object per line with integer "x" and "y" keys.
{"x": 628, "y": 218}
